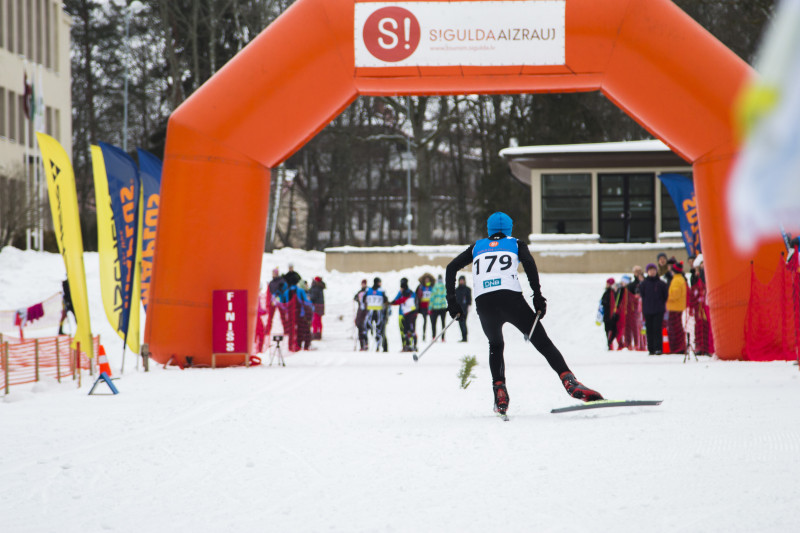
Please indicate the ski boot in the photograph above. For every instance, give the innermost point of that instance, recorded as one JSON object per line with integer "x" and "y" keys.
{"x": 578, "y": 390}
{"x": 500, "y": 397}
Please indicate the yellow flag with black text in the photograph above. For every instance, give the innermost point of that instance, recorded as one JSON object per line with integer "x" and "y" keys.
{"x": 66, "y": 222}
{"x": 111, "y": 285}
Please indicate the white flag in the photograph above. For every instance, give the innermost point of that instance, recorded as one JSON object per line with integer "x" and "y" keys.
{"x": 764, "y": 192}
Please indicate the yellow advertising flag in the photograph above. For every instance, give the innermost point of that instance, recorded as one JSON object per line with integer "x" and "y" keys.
{"x": 110, "y": 271}
{"x": 66, "y": 222}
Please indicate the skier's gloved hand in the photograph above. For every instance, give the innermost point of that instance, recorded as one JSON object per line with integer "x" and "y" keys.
{"x": 452, "y": 307}
{"x": 540, "y": 305}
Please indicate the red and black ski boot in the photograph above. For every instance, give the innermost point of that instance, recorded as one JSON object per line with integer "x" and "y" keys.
{"x": 500, "y": 397}
{"x": 578, "y": 390}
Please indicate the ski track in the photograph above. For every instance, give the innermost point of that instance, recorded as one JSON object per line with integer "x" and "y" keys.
{"x": 351, "y": 441}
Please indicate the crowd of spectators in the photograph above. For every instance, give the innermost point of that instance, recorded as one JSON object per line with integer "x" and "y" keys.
{"x": 299, "y": 307}
{"x": 635, "y": 309}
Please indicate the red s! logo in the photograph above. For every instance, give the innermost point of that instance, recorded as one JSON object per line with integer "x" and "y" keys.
{"x": 493, "y": 243}
{"x": 391, "y": 34}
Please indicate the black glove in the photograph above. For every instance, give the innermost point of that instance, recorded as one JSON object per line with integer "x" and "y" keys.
{"x": 540, "y": 305}
{"x": 453, "y": 307}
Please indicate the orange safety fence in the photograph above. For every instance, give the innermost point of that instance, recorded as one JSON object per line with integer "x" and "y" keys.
{"x": 772, "y": 327}
{"x": 29, "y": 360}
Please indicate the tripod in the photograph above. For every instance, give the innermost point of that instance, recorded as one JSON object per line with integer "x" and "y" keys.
{"x": 275, "y": 351}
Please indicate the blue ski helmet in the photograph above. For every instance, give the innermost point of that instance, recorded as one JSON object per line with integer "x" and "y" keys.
{"x": 499, "y": 222}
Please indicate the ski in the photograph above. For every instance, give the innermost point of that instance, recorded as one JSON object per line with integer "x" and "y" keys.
{"x": 605, "y": 403}
{"x": 503, "y": 417}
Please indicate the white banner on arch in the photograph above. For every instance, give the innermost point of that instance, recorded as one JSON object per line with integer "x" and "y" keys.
{"x": 434, "y": 34}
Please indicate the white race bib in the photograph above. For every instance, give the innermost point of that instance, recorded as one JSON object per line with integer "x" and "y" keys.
{"x": 494, "y": 266}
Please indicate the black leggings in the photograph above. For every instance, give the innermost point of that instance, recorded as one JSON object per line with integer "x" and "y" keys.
{"x": 437, "y": 315}
{"x": 654, "y": 324}
{"x": 498, "y": 307}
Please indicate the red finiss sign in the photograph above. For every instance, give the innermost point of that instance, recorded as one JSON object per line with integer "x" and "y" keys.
{"x": 229, "y": 321}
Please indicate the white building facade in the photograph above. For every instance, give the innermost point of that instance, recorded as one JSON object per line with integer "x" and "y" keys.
{"x": 34, "y": 52}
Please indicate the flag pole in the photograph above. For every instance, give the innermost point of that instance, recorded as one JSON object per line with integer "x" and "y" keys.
{"x": 26, "y": 155}
{"x": 38, "y": 157}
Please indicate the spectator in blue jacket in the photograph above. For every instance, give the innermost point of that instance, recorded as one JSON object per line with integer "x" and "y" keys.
{"x": 299, "y": 310}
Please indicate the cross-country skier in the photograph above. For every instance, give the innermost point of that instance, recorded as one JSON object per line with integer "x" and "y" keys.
{"x": 406, "y": 299}
{"x": 375, "y": 298}
{"x": 423, "y": 296}
{"x": 361, "y": 316}
{"x": 498, "y": 299}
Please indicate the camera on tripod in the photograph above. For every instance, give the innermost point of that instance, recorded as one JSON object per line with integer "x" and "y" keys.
{"x": 275, "y": 351}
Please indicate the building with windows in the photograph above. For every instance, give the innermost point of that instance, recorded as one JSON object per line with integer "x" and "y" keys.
{"x": 35, "y": 95}
{"x": 595, "y": 208}
{"x": 607, "y": 190}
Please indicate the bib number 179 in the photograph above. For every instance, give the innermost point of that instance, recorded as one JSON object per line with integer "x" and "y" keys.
{"x": 489, "y": 262}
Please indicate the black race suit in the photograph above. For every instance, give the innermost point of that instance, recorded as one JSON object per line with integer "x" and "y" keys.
{"x": 501, "y": 306}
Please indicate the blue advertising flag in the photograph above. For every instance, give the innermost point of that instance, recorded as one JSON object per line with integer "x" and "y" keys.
{"x": 150, "y": 173}
{"x": 123, "y": 188}
{"x": 681, "y": 189}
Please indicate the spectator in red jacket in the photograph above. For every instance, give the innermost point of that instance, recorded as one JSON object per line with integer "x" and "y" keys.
{"x": 698, "y": 307}
{"x": 258, "y": 346}
{"x": 317, "y": 296}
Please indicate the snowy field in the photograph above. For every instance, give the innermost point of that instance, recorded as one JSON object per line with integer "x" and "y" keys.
{"x": 347, "y": 441}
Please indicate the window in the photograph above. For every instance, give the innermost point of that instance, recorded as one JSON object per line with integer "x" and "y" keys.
{"x": 395, "y": 219}
{"x": 566, "y": 203}
{"x": 48, "y": 62}
{"x": 21, "y": 120}
{"x": 39, "y": 33}
{"x": 48, "y": 120}
{"x": 57, "y": 125}
{"x": 2, "y": 26}
{"x": 29, "y": 21}
{"x": 359, "y": 219}
{"x": 20, "y": 25}
{"x": 55, "y": 37}
{"x": 9, "y": 25}
{"x": 626, "y": 207}
{"x": 2, "y": 110}
{"x": 12, "y": 115}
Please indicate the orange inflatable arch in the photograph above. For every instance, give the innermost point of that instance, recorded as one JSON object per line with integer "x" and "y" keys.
{"x": 647, "y": 56}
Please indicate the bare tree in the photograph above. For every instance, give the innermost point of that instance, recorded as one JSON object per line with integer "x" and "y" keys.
{"x": 17, "y": 207}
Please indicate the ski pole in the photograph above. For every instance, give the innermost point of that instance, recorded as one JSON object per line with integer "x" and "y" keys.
{"x": 535, "y": 321}
{"x": 417, "y": 357}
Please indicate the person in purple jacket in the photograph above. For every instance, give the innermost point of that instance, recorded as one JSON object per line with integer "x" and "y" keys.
{"x": 654, "y": 304}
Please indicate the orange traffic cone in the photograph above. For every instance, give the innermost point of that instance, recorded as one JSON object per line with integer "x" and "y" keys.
{"x": 105, "y": 371}
{"x": 102, "y": 360}
{"x": 664, "y": 340}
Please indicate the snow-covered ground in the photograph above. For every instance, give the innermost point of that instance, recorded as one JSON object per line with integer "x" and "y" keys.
{"x": 348, "y": 441}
